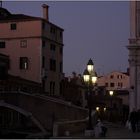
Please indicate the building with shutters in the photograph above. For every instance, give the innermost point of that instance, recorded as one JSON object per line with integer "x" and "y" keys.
{"x": 34, "y": 46}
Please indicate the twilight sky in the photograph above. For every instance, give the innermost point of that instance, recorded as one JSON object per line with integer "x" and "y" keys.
{"x": 93, "y": 29}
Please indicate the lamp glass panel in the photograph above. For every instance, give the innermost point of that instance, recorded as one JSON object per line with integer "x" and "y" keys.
{"x": 90, "y": 68}
{"x": 94, "y": 79}
{"x": 104, "y": 108}
{"x": 86, "y": 78}
{"x": 97, "y": 108}
{"x": 111, "y": 93}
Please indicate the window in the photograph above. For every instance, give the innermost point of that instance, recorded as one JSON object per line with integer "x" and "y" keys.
{"x": 43, "y": 84}
{"x": 23, "y": 63}
{"x": 61, "y": 66}
{"x": 52, "y": 47}
{"x": 23, "y": 43}
{"x": 61, "y": 50}
{"x": 52, "y": 88}
{"x": 13, "y": 26}
{"x": 111, "y": 76}
{"x": 111, "y": 84}
{"x": 52, "y": 30}
{"x": 43, "y": 61}
{"x": 61, "y": 88}
{"x": 106, "y": 84}
{"x": 43, "y": 25}
{"x": 118, "y": 84}
{"x": 43, "y": 43}
{"x": 52, "y": 65}
{"x": 60, "y": 34}
{"x": 119, "y": 76}
{"x": 2, "y": 44}
{"x": 3, "y": 72}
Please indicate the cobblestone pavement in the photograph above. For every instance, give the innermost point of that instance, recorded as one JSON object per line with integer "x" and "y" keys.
{"x": 115, "y": 131}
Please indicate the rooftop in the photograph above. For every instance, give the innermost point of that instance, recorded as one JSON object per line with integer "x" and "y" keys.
{"x": 6, "y": 16}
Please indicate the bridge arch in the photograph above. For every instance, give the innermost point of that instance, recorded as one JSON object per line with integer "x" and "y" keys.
{"x": 23, "y": 112}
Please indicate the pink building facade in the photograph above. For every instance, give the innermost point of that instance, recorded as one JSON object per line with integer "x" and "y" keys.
{"x": 118, "y": 82}
{"x": 114, "y": 81}
{"x": 35, "y": 48}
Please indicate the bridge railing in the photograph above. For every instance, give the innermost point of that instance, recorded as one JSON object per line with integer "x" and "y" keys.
{"x": 69, "y": 128}
{"x": 13, "y": 83}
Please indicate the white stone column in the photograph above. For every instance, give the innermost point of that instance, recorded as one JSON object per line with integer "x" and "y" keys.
{"x": 134, "y": 64}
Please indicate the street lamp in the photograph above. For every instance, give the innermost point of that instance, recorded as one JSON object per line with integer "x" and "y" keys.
{"x": 104, "y": 109}
{"x": 90, "y": 79}
{"x": 111, "y": 93}
{"x": 97, "y": 108}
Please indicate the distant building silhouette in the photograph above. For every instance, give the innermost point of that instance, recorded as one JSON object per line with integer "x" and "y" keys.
{"x": 73, "y": 90}
{"x": 117, "y": 82}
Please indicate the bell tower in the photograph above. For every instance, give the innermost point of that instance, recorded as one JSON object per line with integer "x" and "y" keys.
{"x": 134, "y": 55}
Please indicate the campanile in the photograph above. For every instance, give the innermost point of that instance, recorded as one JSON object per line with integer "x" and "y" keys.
{"x": 134, "y": 55}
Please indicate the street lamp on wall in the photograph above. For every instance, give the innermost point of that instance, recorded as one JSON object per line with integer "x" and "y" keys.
{"x": 90, "y": 79}
{"x": 97, "y": 108}
{"x": 111, "y": 93}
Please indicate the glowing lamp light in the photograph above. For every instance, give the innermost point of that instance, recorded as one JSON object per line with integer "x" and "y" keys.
{"x": 111, "y": 93}
{"x": 97, "y": 108}
{"x": 90, "y": 66}
{"x": 94, "y": 78}
{"x": 104, "y": 109}
{"x": 86, "y": 76}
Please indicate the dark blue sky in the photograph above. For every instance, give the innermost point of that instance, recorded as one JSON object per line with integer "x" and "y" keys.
{"x": 93, "y": 29}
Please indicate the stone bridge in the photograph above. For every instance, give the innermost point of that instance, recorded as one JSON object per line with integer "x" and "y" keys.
{"x": 41, "y": 109}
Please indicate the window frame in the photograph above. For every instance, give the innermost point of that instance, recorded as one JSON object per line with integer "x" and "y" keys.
{"x": 52, "y": 47}
{"x": 13, "y": 26}
{"x": 22, "y": 62}
{"x": 4, "y": 44}
{"x": 23, "y": 43}
{"x": 52, "y": 65}
{"x": 112, "y": 84}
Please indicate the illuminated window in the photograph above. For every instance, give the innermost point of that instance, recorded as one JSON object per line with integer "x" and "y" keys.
{"x": 23, "y": 63}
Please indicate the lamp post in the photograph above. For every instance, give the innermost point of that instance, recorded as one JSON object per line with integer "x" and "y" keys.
{"x": 90, "y": 79}
{"x": 111, "y": 93}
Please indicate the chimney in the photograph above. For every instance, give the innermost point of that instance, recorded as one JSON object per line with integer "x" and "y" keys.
{"x": 45, "y": 12}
